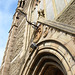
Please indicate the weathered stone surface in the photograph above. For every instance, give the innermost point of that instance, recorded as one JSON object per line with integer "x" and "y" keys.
{"x": 15, "y": 66}
{"x": 18, "y": 41}
{"x": 68, "y": 16}
{"x": 55, "y": 48}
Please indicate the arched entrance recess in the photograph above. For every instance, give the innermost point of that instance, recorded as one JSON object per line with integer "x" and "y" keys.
{"x": 50, "y": 58}
{"x": 47, "y": 64}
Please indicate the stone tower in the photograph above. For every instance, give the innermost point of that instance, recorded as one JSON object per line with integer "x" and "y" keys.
{"x": 41, "y": 39}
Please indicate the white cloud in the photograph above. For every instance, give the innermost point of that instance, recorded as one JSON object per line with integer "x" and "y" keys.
{"x": 4, "y": 28}
{"x": 6, "y": 15}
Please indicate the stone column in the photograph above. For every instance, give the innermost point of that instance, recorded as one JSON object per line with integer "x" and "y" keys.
{"x": 23, "y": 2}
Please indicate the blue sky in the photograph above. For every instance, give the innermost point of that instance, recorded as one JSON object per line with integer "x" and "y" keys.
{"x": 7, "y": 10}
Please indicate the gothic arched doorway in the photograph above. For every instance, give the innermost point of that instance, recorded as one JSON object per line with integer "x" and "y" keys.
{"x": 48, "y": 59}
{"x": 52, "y": 70}
{"x": 47, "y": 64}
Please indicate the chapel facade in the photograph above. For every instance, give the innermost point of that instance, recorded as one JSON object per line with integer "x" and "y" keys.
{"x": 41, "y": 40}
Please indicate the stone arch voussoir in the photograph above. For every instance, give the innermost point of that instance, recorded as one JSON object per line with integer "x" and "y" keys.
{"x": 52, "y": 49}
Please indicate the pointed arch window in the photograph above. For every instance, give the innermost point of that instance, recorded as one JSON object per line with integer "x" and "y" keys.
{"x": 21, "y": 3}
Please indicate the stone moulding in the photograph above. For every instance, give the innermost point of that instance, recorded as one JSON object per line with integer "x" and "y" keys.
{"x": 63, "y": 27}
{"x": 38, "y": 34}
{"x": 63, "y": 54}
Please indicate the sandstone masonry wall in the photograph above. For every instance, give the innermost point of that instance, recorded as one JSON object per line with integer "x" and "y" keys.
{"x": 68, "y": 16}
{"x": 18, "y": 40}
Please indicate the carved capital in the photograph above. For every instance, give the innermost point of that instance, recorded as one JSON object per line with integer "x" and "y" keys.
{"x": 41, "y": 13}
{"x": 46, "y": 31}
{"x": 38, "y": 33}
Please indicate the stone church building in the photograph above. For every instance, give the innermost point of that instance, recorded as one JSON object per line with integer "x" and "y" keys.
{"x": 41, "y": 40}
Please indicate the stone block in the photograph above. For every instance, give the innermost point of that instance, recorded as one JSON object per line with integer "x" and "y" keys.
{"x": 69, "y": 73}
{"x": 71, "y": 47}
{"x": 64, "y": 38}
{"x": 73, "y": 70}
{"x": 72, "y": 62}
{"x": 62, "y": 50}
{"x": 65, "y": 65}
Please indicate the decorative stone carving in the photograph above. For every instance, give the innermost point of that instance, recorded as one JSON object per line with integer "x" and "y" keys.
{"x": 46, "y": 31}
{"x": 38, "y": 33}
{"x": 41, "y": 13}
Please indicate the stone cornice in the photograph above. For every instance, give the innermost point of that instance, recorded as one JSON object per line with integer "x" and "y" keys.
{"x": 61, "y": 26}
